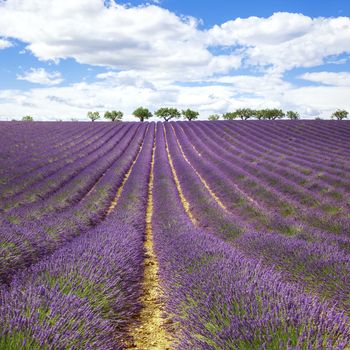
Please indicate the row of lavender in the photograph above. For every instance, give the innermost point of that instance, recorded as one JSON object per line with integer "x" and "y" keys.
{"x": 236, "y": 207}
{"x": 220, "y": 297}
{"x": 30, "y": 231}
{"x": 85, "y": 293}
{"x": 259, "y": 225}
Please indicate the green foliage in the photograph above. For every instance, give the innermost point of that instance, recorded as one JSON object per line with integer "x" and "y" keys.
{"x": 259, "y": 114}
{"x": 19, "y": 340}
{"x": 93, "y": 116}
{"x": 27, "y": 118}
{"x": 340, "y": 114}
{"x": 167, "y": 113}
{"x": 142, "y": 113}
{"x": 292, "y": 115}
{"x": 230, "y": 116}
{"x": 189, "y": 114}
{"x": 243, "y": 113}
{"x": 213, "y": 117}
{"x": 271, "y": 114}
{"x": 114, "y": 115}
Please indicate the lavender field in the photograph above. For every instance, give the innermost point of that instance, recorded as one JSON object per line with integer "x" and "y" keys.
{"x": 179, "y": 235}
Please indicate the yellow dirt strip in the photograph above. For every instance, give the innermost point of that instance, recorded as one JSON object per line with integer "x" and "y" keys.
{"x": 183, "y": 199}
{"x": 212, "y": 193}
{"x": 120, "y": 189}
{"x": 241, "y": 192}
{"x": 150, "y": 333}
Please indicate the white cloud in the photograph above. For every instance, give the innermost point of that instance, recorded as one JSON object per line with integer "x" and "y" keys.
{"x": 41, "y": 76}
{"x": 255, "y": 31}
{"x": 120, "y": 91}
{"x": 154, "y": 57}
{"x": 147, "y": 38}
{"x": 328, "y": 78}
{"x": 4, "y": 44}
{"x": 285, "y": 40}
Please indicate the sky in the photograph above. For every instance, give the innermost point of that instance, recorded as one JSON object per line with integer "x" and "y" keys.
{"x": 61, "y": 59}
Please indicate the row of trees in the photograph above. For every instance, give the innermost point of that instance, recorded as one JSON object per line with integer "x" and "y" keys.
{"x": 271, "y": 114}
{"x": 172, "y": 113}
{"x": 167, "y": 114}
{"x": 143, "y": 114}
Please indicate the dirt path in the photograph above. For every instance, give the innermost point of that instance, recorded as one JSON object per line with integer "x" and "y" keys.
{"x": 183, "y": 199}
{"x": 205, "y": 184}
{"x": 127, "y": 175}
{"x": 150, "y": 333}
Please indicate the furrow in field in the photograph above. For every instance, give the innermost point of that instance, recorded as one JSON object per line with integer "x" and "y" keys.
{"x": 150, "y": 332}
{"x": 269, "y": 140}
{"x": 49, "y": 181}
{"x": 301, "y": 260}
{"x": 255, "y": 180}
{"x": 24, "y": 244}
{"x": 325, "y": 185}
{"x": 60, "y": 149}
{"x": 80, "y": 151}
{"x": 204, "y": 207}
{"x": 249, "y": 157}
{"x": 184, "y": 201}
{"x": 54, "y": 182}
{"x": 217, "y": 295}
{"x": 126, "y": 177}
{"x": 74, "y": 189}
{"x": 205, "y": 184}
{"x": 83, "y": 183}
{"x": 20, "y": 154}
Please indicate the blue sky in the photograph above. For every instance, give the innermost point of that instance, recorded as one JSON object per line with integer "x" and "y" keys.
{"x": 59, "y": 60}
{"x": 220, "y": 11}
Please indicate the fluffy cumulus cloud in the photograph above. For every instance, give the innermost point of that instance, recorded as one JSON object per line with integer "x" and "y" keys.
{"x": 285, "y": 40}
{"x": 154, "y": 57}
{"x": 41, "y": 76}
{"x": 147, "y": 38}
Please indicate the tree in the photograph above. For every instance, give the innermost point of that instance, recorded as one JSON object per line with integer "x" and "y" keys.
{"x": 27, "y": 118}
{"x": 114, "y": 115}
{"x": 340, "y": 114}
{"x": 260, "y": 114}
{"x": 213, "y": 117}
{"x": 142, "y": 113}
{"x": 189, "y": 114}
{"x": 292, "y": 115}
{"x": 168, "y": 113}
{"x": 243, "y": 113}
{"x": 93, "y": 116}
{"x": 272, "y": 114}
{"x": 230, "y": 115}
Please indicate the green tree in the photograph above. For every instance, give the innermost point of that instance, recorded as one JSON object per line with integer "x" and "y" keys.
{"x": 272, "y": 114}
{"x": 214, "y": 117}
{"x": 114, "y": 115}
{"x": 260, "y": 114}
{"x": 167, "y": 113}
{"x": 27, "y": 118}
{"x": 93, "y": 116}
{"x": 292, "y": 115}
{"x": 189, "y": 114}
{"x": 230, "y": 115}
{"x": 243, "y": 113}
{"x": 142, "y": 113}
{"x": 340, "y": 114}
